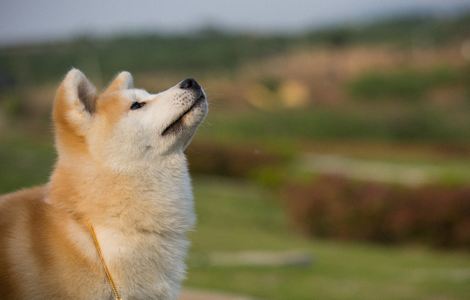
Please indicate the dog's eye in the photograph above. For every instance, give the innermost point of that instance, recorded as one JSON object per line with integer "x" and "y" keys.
{"x": 137, "y": 105}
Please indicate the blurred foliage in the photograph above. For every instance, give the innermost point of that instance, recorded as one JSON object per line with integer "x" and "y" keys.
{"x": 363, "y": 122}
{"x": 272, "y": 84}
{"x": 350, "y": 209}
{"x": 239, "y": 161}
{"x": 406, "y": 84}
{"x": 207, "y": 50}
{"x": 24, "y": 162}
{"x": 12, "y": 105}
{"x": 199, "y": 52}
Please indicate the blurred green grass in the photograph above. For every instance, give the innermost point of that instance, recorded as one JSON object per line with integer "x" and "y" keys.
{"x": 236, "y": 216}
{"x": 417, "y": 123}
{"x": 406, "y": 84}
{"x": 24, "y": 162}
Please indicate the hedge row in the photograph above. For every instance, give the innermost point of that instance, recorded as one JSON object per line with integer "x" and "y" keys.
{"x": 340, "y": 208}
{"x": 230, "y": 160}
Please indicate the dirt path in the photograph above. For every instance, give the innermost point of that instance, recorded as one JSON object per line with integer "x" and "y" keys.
{"x": 405, "y": 174}
{"x": 192, "y": 294}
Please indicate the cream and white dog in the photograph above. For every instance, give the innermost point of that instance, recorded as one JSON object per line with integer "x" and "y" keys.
{"x": 120, "y": 168}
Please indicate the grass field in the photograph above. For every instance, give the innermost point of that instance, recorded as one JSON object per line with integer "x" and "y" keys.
{"x": 354, "y": 122}
{"x": 236, "y": 216}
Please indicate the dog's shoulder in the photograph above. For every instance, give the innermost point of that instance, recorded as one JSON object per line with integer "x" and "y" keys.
{"x": 20, "y": 210}
{"x": 15, "y": 208}
{"x": 20, "y": 199}
{"x": 18, "y": 207}
{"x": 34, "y": 193}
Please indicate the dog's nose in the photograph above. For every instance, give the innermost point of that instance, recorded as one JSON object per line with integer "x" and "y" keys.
{"x": 190, "y": 84}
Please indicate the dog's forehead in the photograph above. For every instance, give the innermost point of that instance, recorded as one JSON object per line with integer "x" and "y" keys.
{"x": 138, "y": 94}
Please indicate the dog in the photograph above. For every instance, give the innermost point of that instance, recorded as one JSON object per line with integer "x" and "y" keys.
{"x": 118, "y": 203}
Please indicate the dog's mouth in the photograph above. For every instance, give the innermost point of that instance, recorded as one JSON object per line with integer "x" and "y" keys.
{"x": 177, "y": 125}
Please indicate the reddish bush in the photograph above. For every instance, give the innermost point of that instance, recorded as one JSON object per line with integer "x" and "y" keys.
{"x": 229, "y": 160}
{"x": 348, "y": 209}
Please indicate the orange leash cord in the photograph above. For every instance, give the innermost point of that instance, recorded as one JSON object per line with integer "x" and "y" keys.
{"x": 111, "y": 282}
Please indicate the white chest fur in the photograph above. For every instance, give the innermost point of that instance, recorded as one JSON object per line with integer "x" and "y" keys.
{"x": 145, "y": 266}
{"x": 144, "y": 243}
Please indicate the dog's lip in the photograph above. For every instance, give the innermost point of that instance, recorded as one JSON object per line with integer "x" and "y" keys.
{"x": 174, "y": 123}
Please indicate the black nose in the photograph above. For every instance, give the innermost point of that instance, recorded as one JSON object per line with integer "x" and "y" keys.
{"x": 190, "y": 84}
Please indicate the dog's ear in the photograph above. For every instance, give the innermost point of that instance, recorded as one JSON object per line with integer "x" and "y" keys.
{"x": 122, "y": 81}
{"x": 75, "y": 101}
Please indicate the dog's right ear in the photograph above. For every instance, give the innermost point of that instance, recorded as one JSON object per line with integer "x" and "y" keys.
{"x": 122, "y": 81}
{"x": 75, "y": 101}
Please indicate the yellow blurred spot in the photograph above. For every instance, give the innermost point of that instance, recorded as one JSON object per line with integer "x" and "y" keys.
{"x": 294, "y": 94}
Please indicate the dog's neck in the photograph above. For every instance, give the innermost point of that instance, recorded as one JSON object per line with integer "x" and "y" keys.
{"x": 156, "y": 198}
{"x": 141, "y": 220}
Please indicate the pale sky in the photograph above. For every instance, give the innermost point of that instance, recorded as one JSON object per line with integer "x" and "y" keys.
{"x": 36, "y": 20}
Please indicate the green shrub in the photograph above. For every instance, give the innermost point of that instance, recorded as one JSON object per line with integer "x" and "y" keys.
{"x": 363, "y": 122}
{"x": 11, "y": 105}
{"x": 403, "y": 84}
{"x": 232, "y": 160}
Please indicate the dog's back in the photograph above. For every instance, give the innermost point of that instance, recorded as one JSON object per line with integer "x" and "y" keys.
{"x": 21, "y": 217}
{"x": 38, "y": 260}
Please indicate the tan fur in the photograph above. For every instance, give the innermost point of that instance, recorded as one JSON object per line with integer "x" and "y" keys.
{"x": 141, "y": 211}
{"x": 30, "y": 228}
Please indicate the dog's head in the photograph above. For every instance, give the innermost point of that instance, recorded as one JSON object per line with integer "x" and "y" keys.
{"x": 124, "y": 127}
